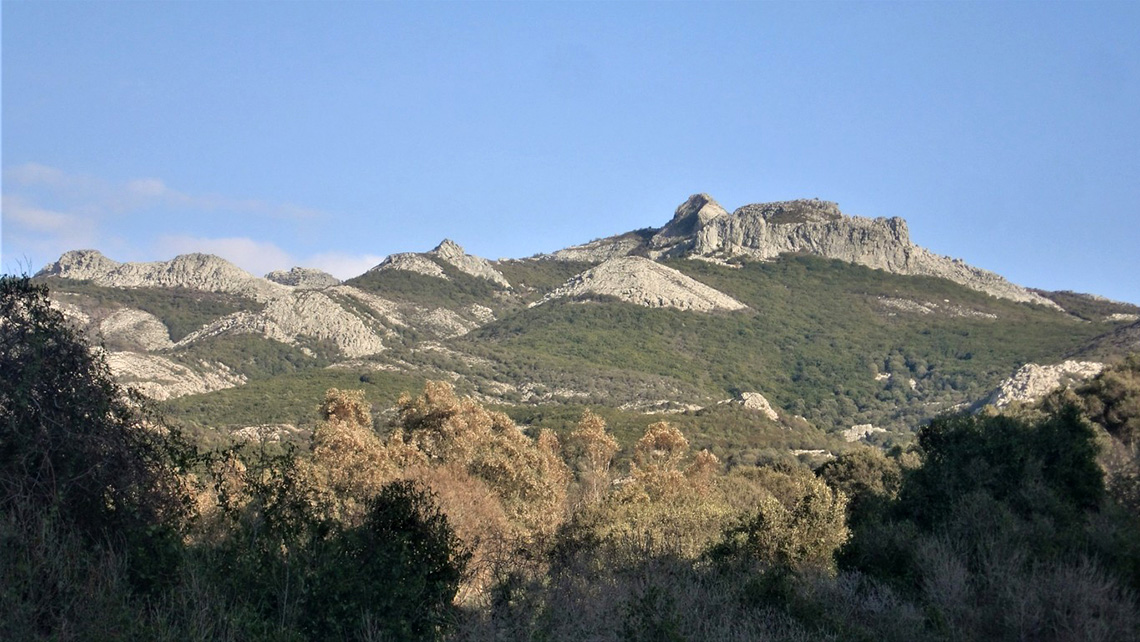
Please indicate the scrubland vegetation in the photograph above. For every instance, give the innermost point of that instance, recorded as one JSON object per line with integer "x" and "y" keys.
{"x": 444, "y": 520}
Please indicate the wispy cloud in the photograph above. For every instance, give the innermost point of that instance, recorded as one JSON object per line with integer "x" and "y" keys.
{"x": 47, "y": 211}
{"x": 96, "y": 195}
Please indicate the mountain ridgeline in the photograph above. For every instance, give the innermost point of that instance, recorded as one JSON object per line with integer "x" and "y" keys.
{"x": 840, "y": 324}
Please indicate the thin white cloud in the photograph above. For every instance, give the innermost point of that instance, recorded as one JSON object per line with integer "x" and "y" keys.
{"x": 341, "y": 265}
{"x": 35, "y": 219}
{"x": 255, "y": 257}
{"x": 96, "y": 196}
{"x": 48, "y": 211}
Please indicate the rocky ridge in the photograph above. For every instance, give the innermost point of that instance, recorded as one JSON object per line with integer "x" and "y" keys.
{"x": 448, "y": 252}
{"x": 644, "y": 282}
{"x": 700, "y": 227}
{"x": 301, "y": 277}
{"x": 192, "y": 271}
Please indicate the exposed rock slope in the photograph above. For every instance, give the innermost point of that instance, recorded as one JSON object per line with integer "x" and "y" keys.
{"x": 307, "y": 313}
{"x": 161, "y": 378}
{"x": 192, "y": 271}
{"x": 644, "y": 282}
{"x": 1032, "y": 382}
{"x": 127, "y": 326}
{"x": 448, "y": 252}
{"x": 413, "y": 262}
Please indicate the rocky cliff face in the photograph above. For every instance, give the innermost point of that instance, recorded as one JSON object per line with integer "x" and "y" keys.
{"x": 818, "y": 227}
{"x": 192, "y": 271}
{"x": 701, "y": 228}
{"x": 644, "y": 282}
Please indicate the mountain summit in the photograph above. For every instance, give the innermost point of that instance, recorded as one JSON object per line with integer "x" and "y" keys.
{"x": 701, "y": 228}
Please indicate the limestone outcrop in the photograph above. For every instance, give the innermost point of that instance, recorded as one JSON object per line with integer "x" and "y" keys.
{"x": 128, "y": 326}
{"x": 162, "y": 378}
{"x": 305, "y": 278}
{"x": 644, "y": 282}
{"x": 756, "y": 401}
{"x": 1032, "y": 382}
{"x": 450, "y": 252}
{"x": 307, "y": 313}
{"x": 192, "y": 271}
{"x": 701, "y": 228}
{"x": 413, "y": 262}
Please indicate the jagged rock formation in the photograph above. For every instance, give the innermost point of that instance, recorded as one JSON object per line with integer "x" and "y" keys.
{"x": 448, "y": 252}
{"x": 702, "y": 228}
{"x": 305, "y": 278}
{"x": 756, "y": 401}
{"x": 1032, "y": 382}
{"x": 192, "y": 271}
{"x": 161, "y": 378}
{"x": 136, "y": 328}
{"x": 267, "y": 433}
{"x": 643, "y": 282}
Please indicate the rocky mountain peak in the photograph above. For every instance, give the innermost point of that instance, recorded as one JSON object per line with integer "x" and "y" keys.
{"x": 451, "y": 252}
{"x": 81, "y": 265}
{"x": 305, "y": 278}
{"x": 678, "y": 234}
{"x": 191, "y": 271}
{"x": 448, "y": 250}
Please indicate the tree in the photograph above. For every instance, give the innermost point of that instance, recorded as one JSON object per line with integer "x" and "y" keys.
{"x": 72, "y": 442}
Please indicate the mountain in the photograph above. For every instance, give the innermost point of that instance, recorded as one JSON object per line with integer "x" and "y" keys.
{"x": 701, "y": 228}
{"x": 840, "y": 324}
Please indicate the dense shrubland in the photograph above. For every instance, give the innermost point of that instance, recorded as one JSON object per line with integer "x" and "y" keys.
{"x": 446, "y": 520}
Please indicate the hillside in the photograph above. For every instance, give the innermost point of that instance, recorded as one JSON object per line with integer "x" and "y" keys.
{"x": 836, "y": 321}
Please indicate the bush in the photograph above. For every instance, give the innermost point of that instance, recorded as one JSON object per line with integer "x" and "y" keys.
{"x": 73, "y": 444}
{"x": 396, "y": 574}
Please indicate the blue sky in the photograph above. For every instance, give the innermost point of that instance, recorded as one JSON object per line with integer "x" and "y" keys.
{"x": 332, "y": 134}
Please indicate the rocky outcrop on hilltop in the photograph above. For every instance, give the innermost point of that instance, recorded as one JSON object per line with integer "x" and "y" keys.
{"x": 1032, "y": 382}
{"x": 701, "y": 228}
{"x": 192, "y": 271}
{"x": 450, "y": 252}
{"x": 818, "y": 227}
{"x": 644, "y": 282}
{"x": 305, "y": 278}
{"x": 413, "y": 262}
{"x": 758, "y": 402}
